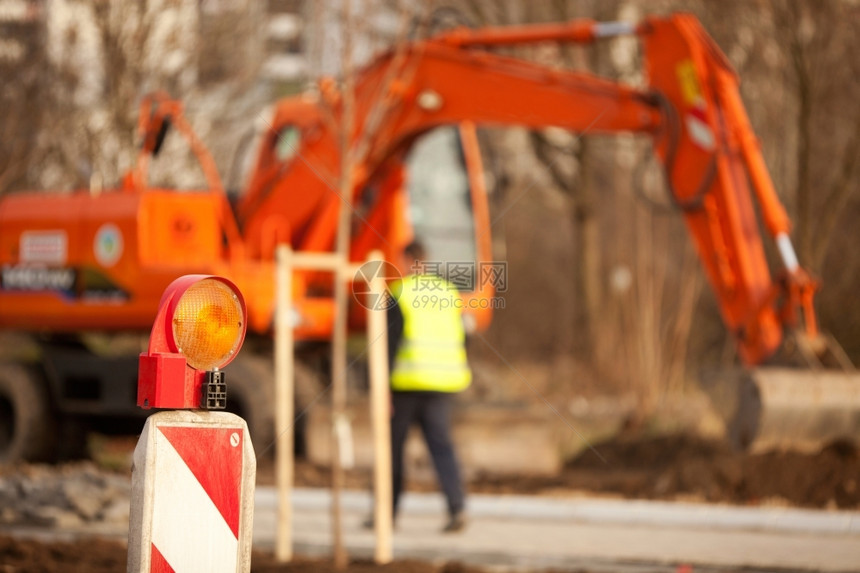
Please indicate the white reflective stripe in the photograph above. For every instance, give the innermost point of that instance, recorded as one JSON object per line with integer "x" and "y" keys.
{"x": 607, "y": 29}
{"x": 786, "y": 251}
{"x": 187, "y": 528}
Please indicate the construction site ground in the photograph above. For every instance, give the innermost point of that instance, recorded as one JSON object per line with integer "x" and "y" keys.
{"x": 109, "y": 556}
{"x": 721, "y": 511}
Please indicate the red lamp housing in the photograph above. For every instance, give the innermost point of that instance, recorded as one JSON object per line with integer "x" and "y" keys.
{"x": 199, "y": 328}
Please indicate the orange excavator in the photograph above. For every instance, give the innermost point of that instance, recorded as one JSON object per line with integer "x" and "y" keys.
{"x": 87, "y": 261}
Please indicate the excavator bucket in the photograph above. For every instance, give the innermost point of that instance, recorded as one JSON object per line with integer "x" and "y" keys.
{"x": 772, "y": 408}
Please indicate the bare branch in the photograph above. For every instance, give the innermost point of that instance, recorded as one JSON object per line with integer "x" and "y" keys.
{"x": 840, "y": 193}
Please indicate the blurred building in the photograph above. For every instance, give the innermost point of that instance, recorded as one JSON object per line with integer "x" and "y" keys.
{"x": 286, "y": 60}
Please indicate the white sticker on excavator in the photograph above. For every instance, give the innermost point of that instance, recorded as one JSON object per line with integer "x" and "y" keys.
{"x": 108, "y": 245}
{"x": 47, "y": 247}
{"x": 695, "y": 118}
{"x": 699, "y": 130}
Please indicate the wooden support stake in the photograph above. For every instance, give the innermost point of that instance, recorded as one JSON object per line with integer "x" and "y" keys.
{"x": 286, "y": 263}
{"x": 284, "y": 401}
{"x": 341, "y": 558}
{"x": 380, "y": 415}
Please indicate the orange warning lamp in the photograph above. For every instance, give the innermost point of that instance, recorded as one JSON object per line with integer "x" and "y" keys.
{"x": 199, "y": 328}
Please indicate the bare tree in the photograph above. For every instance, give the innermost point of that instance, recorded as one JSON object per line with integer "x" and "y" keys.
{"x": 22, "y": 96}
{"x": 78, "y": 96}
{"x": 818, "y": 39}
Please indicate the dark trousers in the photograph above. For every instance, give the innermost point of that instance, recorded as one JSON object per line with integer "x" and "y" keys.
{"x": 432, "y": 411}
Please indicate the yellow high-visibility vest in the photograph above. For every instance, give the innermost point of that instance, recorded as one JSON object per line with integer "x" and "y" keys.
{"x": 432, "y": 352}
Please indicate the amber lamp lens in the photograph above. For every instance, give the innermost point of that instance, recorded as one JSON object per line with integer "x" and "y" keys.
{"x": 208, "y": 324}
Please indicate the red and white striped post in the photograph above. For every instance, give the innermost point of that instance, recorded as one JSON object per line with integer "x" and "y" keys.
{"x": 193, "y": 474}
{"x": 192, "y": 499}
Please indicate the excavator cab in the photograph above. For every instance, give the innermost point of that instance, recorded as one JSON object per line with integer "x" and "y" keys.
{"x": 449, "y": 214}
{"x": 440, "y": 202}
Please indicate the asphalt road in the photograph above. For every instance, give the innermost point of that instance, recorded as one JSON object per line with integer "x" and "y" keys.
{"x": 593, "y": 534}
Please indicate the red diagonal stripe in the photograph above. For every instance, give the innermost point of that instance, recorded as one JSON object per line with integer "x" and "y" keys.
{"x": 215, "y": 462}
{"x": 157, "y": 562}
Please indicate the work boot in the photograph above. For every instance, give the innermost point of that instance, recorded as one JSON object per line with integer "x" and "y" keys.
{"x": 456, "y": 523}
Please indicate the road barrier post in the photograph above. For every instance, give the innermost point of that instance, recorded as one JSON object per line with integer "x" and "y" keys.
{"x": 193, "y": 472}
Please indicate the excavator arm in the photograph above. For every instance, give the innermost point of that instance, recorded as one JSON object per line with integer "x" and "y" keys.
{"x": 715, "y": 171}
{"x": 691, "y": 107}
{"x": 158, "y": 113}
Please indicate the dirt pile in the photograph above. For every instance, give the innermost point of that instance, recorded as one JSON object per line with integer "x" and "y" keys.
{"x": 685, "y": 467}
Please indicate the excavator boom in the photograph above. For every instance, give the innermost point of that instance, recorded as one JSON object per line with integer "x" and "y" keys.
{"x": 691, "y": 107}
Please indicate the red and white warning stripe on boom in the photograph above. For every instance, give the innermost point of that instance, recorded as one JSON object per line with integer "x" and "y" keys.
{"x": 192, "y": 505}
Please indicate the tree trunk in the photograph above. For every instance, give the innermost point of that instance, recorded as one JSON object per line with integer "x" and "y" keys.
{"x": 588, "y": 251}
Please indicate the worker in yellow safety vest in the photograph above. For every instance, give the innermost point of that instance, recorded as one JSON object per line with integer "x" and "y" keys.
{"x": 427, "y": 359}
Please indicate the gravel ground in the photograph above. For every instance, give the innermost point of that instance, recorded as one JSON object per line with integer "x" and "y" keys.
{"x": 69, "y": 496}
